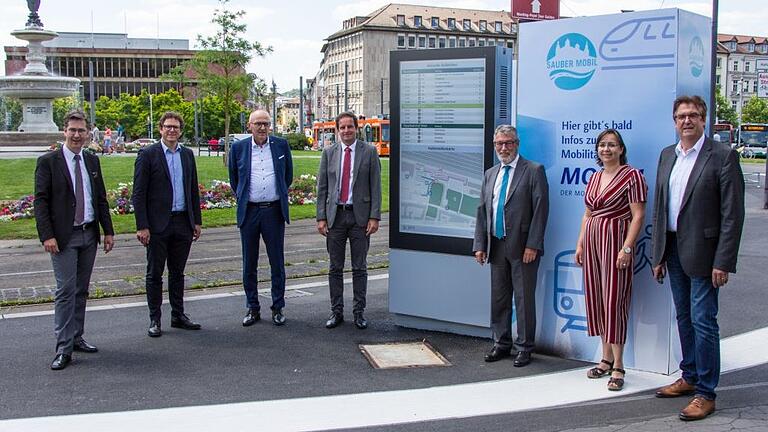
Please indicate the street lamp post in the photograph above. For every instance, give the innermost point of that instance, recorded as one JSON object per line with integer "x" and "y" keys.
{"x": 151, "y": 116}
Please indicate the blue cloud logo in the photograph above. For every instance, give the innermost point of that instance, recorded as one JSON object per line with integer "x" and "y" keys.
{"x": 696, "y": 56}
{"x": 571, "y": 61}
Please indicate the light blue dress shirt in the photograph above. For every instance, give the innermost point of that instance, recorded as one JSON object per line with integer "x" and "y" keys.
{"x": 173, "y": 159}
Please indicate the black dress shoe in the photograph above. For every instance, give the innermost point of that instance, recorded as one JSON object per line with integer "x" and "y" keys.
{"x": 522, "y": 358}
{"x": 85, "y": 347}
{"x": 360, "y": 321}
{"x": 183, "y": 322}
{"x": 154, "y": 329}
{"x": 251, "y": 317}
{"x": 334, "y": 320}
{"x": 61, "y": 361}
{"x": 496, "y": 354}
{"x": 278, "y": 318}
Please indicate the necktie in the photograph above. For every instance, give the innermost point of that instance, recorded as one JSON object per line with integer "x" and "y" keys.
{"x": 345, "y": 173}
{"x": 500, "y": 206}
{"x": 79, "y": 195}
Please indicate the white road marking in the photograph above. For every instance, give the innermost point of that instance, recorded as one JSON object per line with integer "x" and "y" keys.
{"x": 189, "y": 298}
{"x": 392, "y": 407}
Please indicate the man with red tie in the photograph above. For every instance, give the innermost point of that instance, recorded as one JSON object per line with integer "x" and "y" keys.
{"x": 348, "y": 208}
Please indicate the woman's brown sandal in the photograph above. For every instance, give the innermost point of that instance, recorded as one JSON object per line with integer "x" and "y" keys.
{"x": 616, "y": 384}
{"x": 597, "y": 372}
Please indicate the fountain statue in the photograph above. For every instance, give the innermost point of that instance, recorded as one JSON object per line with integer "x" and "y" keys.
{"x": 35, "y": 87}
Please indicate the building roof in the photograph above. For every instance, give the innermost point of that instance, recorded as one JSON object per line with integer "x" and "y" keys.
{"x": 385, "y": 18}
{"x": 723, "y": 37}
{"x": 742, "y": 43}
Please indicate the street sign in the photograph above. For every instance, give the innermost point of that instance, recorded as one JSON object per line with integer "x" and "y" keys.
{"x": 535, "y": 10}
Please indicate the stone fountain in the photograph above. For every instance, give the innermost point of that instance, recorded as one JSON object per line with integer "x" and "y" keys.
{"x": 36, "y": 88}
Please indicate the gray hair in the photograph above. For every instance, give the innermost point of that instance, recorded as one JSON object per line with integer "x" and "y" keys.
{"x": 505, "y": 130}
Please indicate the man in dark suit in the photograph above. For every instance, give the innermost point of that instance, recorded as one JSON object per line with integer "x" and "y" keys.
{"x": 509, "y": 232}
{"x": 260, "y": 172}
{"x": 166, "y": 203}
{"x": 698, "y": 216}
{"x": 348, "y": 208}
{"x": 70, "y": 204}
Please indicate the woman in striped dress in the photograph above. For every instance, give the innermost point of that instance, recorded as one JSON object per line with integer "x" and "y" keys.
{"x": 615, "y": 212}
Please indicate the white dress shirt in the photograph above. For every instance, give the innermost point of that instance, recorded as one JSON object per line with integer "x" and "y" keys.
{"x": 678, "y": 179}
{"x": 343, "y": 150}
{"x": 69, "y": 156}
{"x": 262, "y": 187}
{"x": 497, "y": 187}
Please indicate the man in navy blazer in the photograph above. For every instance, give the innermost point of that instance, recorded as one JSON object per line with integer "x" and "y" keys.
{"x": 166, "y": 203}
{"x": 260, "y": 172}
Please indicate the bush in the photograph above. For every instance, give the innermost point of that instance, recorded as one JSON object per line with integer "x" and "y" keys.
{"x": 297, "y": 141}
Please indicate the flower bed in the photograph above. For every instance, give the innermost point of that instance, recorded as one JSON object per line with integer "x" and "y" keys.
{"x": 218, "y": 195}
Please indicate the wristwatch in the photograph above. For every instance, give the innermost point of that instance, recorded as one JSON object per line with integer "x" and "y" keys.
{"x": 627, "y": 250}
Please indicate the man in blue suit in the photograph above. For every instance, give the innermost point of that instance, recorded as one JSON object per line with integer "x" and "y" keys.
{"x": 260, "y": 172}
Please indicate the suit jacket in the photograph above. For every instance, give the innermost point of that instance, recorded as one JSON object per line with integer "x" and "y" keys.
{"x": 240, "y": 173}
{"x": 55, "y": 197}
{"x": 153, "y": 190}
{"x": 366, "y": 183}
{"x": 525, "y": 211}
{"x": 712, "y": 212}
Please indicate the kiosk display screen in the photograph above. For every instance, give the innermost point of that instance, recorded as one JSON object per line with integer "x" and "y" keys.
{"x": 442, "y": 129}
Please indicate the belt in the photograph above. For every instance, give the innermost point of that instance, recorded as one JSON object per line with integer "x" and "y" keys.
{"x": 179, "y": 213}
{"x": 264, "y": 204}
{"x": 344, "y": 207}
{"x": 84, "y": 226}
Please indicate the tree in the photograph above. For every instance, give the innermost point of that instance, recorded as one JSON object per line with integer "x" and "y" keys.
{"x": 755, "y": 111}
{"x": 725, "y": 112}
{"x": 11, "y": 114}
{"x": 220, "y": 65}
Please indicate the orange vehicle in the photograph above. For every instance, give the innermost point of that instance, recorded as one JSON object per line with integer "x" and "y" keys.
{"x": 372, "y": 130}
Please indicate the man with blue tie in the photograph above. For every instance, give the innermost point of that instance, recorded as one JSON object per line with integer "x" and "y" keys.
{"x": 166, "y": 203}
{"x": 509, "y": 233}
{"x": 260, "y": 172}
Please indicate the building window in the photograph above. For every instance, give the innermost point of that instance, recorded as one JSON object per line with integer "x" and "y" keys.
{"x": 746, "y": 66}
{"x": 754, "y": 86}
{"x": 401, "y": 20}
{"x": 452, "y": 42}
{"x": 511, "y": 44}
{"x": 471, "y": 42}
{"x": 481, "y": 42}
{"x": 735, "y": 86}
{"x": 497, "y": 27}
{"x": 441, "y": 42}
{"x": 452, "y": 23}
{"x": 417, "y": 21}
{"x": 736, "y": 65}
{"x": 751, "y": 47}
{"x": 462, "y": 42}
{"x": 732, "y": 45}
{"x": 733, "y": 104}
{"x": 411, "y": 41}
{"x": 719, "y": 61}
{"x": 764, "y": 47}
{"x": 717, "y": 79}
{"x": 435, "y": 22}
{"x": 491, "y": 42}
{"x": 422, "y": 41}
{"x": 432, "y": 42}
{"x": 401, "y": 41}
{"x": 467, "y": 25}
{"x": 483, "y": 25}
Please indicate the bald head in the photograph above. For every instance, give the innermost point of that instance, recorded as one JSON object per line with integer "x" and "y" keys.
{"x": 259, "y": 124}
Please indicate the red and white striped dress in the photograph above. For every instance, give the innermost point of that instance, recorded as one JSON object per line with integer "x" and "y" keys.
{"x": 608, "y": 289}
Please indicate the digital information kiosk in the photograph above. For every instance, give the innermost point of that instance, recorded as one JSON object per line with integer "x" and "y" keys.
{"x": 445, "y": 105}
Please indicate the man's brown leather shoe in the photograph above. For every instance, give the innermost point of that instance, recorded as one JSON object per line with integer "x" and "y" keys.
{"x": 697, "y": 409}
{"x": 677, "y": 388}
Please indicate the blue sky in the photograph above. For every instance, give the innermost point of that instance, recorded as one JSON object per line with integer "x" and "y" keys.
{"x": 296, "y": 29}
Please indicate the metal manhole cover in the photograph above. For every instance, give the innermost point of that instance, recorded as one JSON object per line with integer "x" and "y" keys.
{"x": 402, "y": 355}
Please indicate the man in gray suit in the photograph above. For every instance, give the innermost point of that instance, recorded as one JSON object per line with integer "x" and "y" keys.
{"x": 509, "y": 233}
{"x": 698, "y": 216}
{"x": 348, "y": 207}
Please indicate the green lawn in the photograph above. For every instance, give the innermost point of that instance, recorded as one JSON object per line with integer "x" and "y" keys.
{"x": 17, "y": 180}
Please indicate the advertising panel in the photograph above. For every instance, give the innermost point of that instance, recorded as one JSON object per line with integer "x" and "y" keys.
{"x": 578, "y": 77}
{"x": 762, "y": 84}
{"x": 535, "y": 10}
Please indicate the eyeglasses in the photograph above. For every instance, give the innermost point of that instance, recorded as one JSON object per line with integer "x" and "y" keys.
{"x": 171, "y": 127}
{"x": 609, "y": 144}
{"x": 510, "y": 143}
{"x": 684, "y": 117}
{"x": 260, "y": 124}
{"x": 77, "y": 131}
